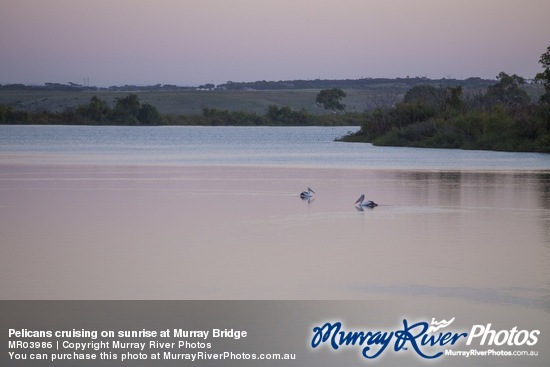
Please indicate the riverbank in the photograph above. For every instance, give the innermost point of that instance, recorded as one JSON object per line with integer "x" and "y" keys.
{"x": 503, "y": 119}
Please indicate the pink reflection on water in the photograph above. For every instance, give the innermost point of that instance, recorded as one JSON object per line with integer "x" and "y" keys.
{"x": 160, "y": 232}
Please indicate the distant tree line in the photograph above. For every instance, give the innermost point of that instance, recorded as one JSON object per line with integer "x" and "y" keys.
{"x": 130, "y": 111}
{"x": 127, "y": 111}
{"x": 274, "y": 116}
{"x": 73, "y": 87}
{"x": 363, "y": 83}
{"x": 504, "y": 118}
{"x": 70, "y": 87}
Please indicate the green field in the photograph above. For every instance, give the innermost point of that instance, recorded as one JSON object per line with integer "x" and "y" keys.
{"x": 193, "y": 101}
{"x": 187, "y": 102}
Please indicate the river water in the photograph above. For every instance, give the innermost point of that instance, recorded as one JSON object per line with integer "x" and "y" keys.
{"x": 214, "y": 213}
{"x": 266, "y": 146}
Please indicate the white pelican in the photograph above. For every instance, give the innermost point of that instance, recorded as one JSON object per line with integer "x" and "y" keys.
{"x": 307, "y": 194}
{"x": 362, "y": 202}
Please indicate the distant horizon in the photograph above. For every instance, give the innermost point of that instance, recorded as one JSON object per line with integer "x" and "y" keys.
{"x": 211, "y": 81}
{"x": 69, "y": 83}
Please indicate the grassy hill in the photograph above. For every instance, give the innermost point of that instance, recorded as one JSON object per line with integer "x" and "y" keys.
{"x": 190, "y": 101}
{"x": 245, "y": 98}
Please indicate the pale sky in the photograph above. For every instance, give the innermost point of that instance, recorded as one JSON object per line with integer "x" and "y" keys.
{"x": 191, "y": 42}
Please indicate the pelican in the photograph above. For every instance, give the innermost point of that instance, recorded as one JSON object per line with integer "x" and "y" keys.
{"x": 307, "y": 194}
{"x": 362, "y": 202}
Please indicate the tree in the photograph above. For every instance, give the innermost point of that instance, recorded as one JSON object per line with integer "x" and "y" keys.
{"x": 507, "y": 91}
{"x": 149, "y": 115}
{"x": 331, "y": 99}
{"x": 126, "y": 109}
{"x": 96, "y": 110}
{"x": 453, "y": 97}
{"x": 285, "y": 116}
{"x": 427, "y": 95}
{"x": 544, "y": 76}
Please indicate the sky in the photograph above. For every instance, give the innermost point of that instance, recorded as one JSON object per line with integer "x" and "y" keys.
{"x": 193, "y": 42}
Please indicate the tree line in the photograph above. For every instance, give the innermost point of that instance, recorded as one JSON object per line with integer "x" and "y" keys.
{"x": 503, "y": 118}
{"x": 362, "y": 83}
{"x": 127, "y": 111}
{"x": 130, "y": 111}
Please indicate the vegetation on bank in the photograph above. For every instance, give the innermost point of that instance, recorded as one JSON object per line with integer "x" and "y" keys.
{"x": 130, "y": 111}
{"x": 503, "y": 118}
{"x": 127, "y": 111}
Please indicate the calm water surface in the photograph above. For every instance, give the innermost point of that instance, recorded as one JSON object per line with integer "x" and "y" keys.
{"x": 288, "y": 146}
{"x": 214, "y": 213}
